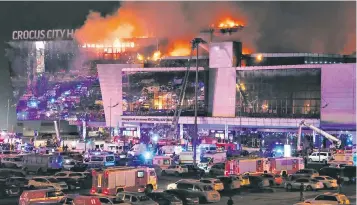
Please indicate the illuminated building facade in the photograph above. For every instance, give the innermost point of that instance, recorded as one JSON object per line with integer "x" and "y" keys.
{"x": 231, "y": 98}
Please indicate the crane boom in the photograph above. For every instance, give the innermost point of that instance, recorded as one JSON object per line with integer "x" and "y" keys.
{"x": 178, "y": 110}
{"x": 319, "y": 131}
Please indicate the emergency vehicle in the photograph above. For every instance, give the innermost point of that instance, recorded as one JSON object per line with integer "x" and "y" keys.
{"x": 343, "y": 157}
{"x": 244, "y": 165}
{"x": 41, "y": 195}
{"x": 163, "y": 161}
{"x": 287, "y": 165}
{"x": 110, "y": 181}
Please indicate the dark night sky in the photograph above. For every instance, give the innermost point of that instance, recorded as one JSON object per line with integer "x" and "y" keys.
{"x": 324, "y": 27}
{"x": 38, "y": 15}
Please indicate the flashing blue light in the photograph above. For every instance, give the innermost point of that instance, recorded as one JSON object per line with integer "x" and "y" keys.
{"x": 155, "y": 138}
{"x": 147, "y": 155}
{"x": 52, "y": 100}
{"x": 279, "y": 151}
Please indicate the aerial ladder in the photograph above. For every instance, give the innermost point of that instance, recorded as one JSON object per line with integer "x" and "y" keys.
{"x": 332, "y": 139}
{"x": 172, "y": 133}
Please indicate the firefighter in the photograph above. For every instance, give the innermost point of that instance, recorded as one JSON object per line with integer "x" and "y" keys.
{"x": 302, "y": 188}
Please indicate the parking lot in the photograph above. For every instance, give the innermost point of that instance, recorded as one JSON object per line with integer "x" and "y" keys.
{"x": 247, "y": 197}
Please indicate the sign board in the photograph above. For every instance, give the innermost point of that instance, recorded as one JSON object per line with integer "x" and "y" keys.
{"x": 38, "y": 35}
{"x": 148, "y": 119}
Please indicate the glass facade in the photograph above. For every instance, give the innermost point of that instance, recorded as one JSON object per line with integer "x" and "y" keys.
{"x": 157, "y": 93}
{"x": 282, "y": 93}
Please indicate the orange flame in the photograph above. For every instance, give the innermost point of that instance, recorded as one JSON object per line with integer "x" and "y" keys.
{"x": 180, "y": 48}
{"x": 246, "y": 50}
{"x": 229, "y": 23}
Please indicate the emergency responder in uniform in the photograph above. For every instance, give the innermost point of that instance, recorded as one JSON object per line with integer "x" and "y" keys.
{"x": 302, "y": 188}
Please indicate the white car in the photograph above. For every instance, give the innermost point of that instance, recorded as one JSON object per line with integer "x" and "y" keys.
{"x": 329, "y": 198}
{"x": 47, "y": 182}
{"x": 328, "y": 182}
{"x": 174, "y": 185}
{"x": 12, "y": 162}
{"x": 320, "y": 157}
{"x": 69, "y": 174}
{"x": 176, "y": 170}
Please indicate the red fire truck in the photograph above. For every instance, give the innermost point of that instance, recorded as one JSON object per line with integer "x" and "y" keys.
{"x": 287, "y": 165}
{"x": 116, "y": 179}
{"x": 243, "y": 165}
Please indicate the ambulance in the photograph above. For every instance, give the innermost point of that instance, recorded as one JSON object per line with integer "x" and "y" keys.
{"x": 163, "y": 161}
{"x": 40, "y": 196}
{"x": 246, "y": 165}
{"x": 110, "y": 181}
{"x": 286, "y": 165}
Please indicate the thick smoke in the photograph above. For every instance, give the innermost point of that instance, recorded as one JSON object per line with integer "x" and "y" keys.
{"x": 322, "y": 27}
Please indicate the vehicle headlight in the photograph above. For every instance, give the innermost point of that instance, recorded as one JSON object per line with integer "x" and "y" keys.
{"x": 188, "y": 199}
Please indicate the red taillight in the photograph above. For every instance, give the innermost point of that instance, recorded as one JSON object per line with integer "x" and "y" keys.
{"x": 106, "y": 174}
{"x": 93, "y": 190}
{"x": 106, "y": 191}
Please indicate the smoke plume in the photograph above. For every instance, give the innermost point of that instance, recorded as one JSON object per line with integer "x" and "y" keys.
{"x": 323, "y": 27}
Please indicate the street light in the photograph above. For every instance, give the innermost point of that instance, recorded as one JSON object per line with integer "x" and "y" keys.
{"x": 110, "y": 116}
{"x": 195, "y": 43}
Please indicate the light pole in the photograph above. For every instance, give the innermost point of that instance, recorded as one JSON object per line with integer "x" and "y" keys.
{"x": 195, "y": 44}
{"x": 110, "y": 116}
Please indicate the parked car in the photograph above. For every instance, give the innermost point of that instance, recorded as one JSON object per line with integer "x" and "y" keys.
{"x": 230, "y": 182}
{"x": 258, "y": 182}
{"x": 217, "y": 169}
{"x": 309, "y": 184}
{"x": 186, "y": 197}
{"x": 274, "y": 179}
{"x": 327, "y": 181}
{"x": 136, "y": 198}
{"x": 306, "y": 173}
{"x": 6, "y": 173}
{"x": 203, "y": 191}
{"x": 164, "y": 198}
{"x": 177, "y": 170}
{"x": 194, "y": 171}
{"x": 329, "y": 198}
{"x": 215, "y": 183}
{"x": 46, "y": 182}
{"x": 12, "y": 162}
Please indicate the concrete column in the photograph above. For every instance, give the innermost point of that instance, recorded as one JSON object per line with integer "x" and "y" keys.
{"x": 138, "y": 131}
{"x": 181, "y": 131}
{"x": 226, "y": 132}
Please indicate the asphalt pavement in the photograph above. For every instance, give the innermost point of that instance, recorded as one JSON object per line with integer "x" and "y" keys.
{"x": 269, "y": 197}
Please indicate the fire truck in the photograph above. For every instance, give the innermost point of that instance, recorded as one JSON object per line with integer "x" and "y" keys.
{"x": 110, "y": 181}
{"x": 286, "y": 165}
{"x": 244, "y": 165}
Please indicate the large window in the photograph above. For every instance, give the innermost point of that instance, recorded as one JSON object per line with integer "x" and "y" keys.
{"x": 157, "y": 93}
{"x": 283, "y": 93}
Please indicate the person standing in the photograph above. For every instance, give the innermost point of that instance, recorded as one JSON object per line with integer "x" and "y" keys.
{"x": 230, "y": 201}
{"x": 302, "y": 188}
{"x": 339, "y": 184}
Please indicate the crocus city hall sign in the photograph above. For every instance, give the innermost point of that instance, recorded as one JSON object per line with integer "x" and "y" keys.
{"x": 43, "y": 34}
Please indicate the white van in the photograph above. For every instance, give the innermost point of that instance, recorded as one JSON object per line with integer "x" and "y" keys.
{"x": 105, "y": 160}
{"x": 170, "y": 149}
{"x": 187, "y": 157}
{"x": 41, "y": 162}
